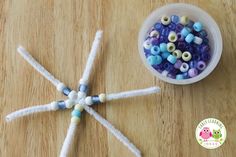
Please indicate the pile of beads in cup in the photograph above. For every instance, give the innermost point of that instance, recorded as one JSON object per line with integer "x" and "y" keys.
{"x": 177, "y": 47}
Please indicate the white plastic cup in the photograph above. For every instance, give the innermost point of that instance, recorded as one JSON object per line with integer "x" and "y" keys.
{"x": 195, "y": 14}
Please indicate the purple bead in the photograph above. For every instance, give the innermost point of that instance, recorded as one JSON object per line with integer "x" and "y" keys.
{"x": 205, "y": 56}
{"x": 154, "y": 41}
{"x": 181, "y": 45}
{"x": 178, "y": 64}
{"x": 171, "y": 75}
{"x": 193, "y": 64}
{"x": 168, "y": 66}
{"x": 192, "y": 72}
{"x": 190, "y": 24}
{"x": 196, "y": 57}
{"x": 205, "y": 48}
{"x": 172, "y": 26}
{"x": 189, "y": 48}
{"x": 202, "y": 34}
{"x": 201, "y": 65}
{"x": 180, "y": 37}
{"x": 179, "y": 27}
{"x": 158, "y": 26}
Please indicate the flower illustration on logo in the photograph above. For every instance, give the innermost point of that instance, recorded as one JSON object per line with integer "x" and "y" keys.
{"x": 210, "y": 133}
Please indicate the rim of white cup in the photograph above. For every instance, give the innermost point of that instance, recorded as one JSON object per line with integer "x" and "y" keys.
{"x": 209, "y": 25}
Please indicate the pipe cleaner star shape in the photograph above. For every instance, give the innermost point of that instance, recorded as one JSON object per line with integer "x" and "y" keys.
{"x": 79, "y": 100}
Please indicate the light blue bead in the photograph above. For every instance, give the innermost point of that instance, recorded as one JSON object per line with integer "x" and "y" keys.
{"x": 154, "y": 60}
{"x": 175, "y": 19}
{"x": 172, "y": 59}
{"x": 163, "y": 47}
{"x": 197, "y": 26}
{"x": 76, "y": 113}
{"x": 185, "y": 31}
{"x": 179, "y": 77}
{"x": 189, "y": 38}
{"x": 155, "y": 50}
{"x": 164, "y": 55}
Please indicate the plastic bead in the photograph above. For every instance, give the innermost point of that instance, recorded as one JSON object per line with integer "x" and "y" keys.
{"x": 172, "y": 37}
{"x": 178, "y": 64}
{"x": 88, "y": 100}
{"x": 172, "y": 59}
{"x": 190, "y": 24}
{"x": 179, "y": 77}
{"x": 165, "y": 20}
{"x": 79, "y": 107}
{"x": 184, "y": 20}
{"x": 54, "y": 106}
{"x": 184, "y": 67}
{"x": 147, "y": 45}
{"x": 180, "y": 37}
{"x": 76, "y": 113}
{"x": 205, "y": 56}
{"x": 186, "y": 56}
{"x": 164, "y": 73}
{"x": 154, "y": 41}
{"x": 66, "y": 91}
{"x": 172, "y": 26}
{"x": 170, "y": 47}
{"x": 165, "y": 32}
{"x": 154, "y": 33}
{"x": 75, "y": 120}
{"x": 201, "y": 65}
{"x": 196, "y": 57}
{"x": 177, "y": 53}
{"x": 197, "y": 40}
{"x": 197, "y": 26}
{"x": 205, "y": 48}
{"x": 185, "y": 31}
{"x": 181, "y": 45}
{"x": 96, "y": 99}
{"x": 193, "y": 64}
{"x": 69, "y": 103}
{"x": 83, "y": 88}
{"x": 155, "y": 50}
{"x": 61, "y": 105}
{"x": 164, "y": 55}
{"x": 60, "y": 87}
{"x": 158, "y": 26}
{"x": 175, "y": 19}
{"x": 203, "y": 33}
{"x": 192, "y": 72}
{"x": 189, "y": 38}
{"x": 189, "y": 48}
{"x": 154, "y": 60}
{"x": 179, "y": 27}
{"x": 102, "y": 97}
{"x": 163, "y": 47}
{"x": 73, "y": 95}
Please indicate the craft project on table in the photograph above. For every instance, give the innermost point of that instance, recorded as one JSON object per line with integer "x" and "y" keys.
{"x": 79, "y": 100}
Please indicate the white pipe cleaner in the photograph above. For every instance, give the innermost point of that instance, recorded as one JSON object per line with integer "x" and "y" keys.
{"x": 80, "y": 100}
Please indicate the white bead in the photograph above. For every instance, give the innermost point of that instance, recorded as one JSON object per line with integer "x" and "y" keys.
{"x": 165, "y": 20}
{"x": 81, "y": 95}
{"x": 164, "y": 73}
{"x": 102, "y": 97}
{"x": 172, "y": 37}
{"x": 197, "y": 40}
{"x": 79, "y": 107}
{"x": 184, "y": 67}
{"x": 54, "y": 106}
{"x": 69, "y": 103}
{"x": 75, "y": 120}
{"x": 73, "y": 95}
{"x": 147, "y": 44}
{"x": 154, "y": 33}
{"x": 170, "y": 47}
{"x": 88, "y": 100}
{"x": 81, "y": 81}
{"x": 60, "y": 87}
{"x": 184, "y": 20}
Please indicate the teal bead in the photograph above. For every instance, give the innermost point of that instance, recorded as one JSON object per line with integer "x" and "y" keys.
{"x": 163, "y": 47}
{"x": 172, "y": 59}
{"x": 179, "y": 77}
{"x": 76, "y": 113}
{"x": 154, "y": 60}
{"x": 155, "y": 50}
{"x": 197, "y": 26}
{"x": 185, "y": 31}
{"x": 164, "y": 55}
{"x": 189, "y": 38}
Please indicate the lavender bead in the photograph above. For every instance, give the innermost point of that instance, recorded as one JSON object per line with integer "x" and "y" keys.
{"x": 175, "y": 19}
{"x": 178, "y": 64}
{"x": 205, "y": 48}
{"x": 201, "y": 65}
{"x": 180, "y": 37}
{"x": 154, "y": 41}
{"x": 192, "y": 72}
{"x": 179, "y": 27}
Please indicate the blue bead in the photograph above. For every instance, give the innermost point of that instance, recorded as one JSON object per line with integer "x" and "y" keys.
{"x": 189, "y": 38}
{"x": 205, "y": 56}
{"x": 197, "y": 26}
{"x": 172, "y": 59}
{"x": 163, "y": 47}
{"x": 181, "y": 45}
{"x": 168, "y": 66}
{"x": 193, "y": 64}
{"x": 189, "y": 48}
{"x": 164, "y": 55}
{"x": 155, "y": 50}
{"x": 165, "y": 32}
{"x": 83, "y": 88}
{"x": 172, "y": 26}
{"x": 190, "y": 24}
{"x": 175, "y": 19}
{"x": 185, "y": 75}
{"x": 179, "y": 77}
{"x": 203, "y": 33}
{"x": 154, "y": 60}
{"x": 185, "y": 31}
{"x": 158, "y": 26}
{"x": 66, "y": 91}
{"x": 76, "y": 113}
{"x": 61, "y": 105}
{"x": 96, "y": 99}
{"x": 196, "y": 57}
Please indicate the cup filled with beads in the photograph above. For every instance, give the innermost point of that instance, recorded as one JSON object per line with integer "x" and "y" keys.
{"x": 180, "y": 43}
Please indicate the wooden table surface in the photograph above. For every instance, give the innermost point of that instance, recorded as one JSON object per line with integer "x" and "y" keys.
{"x": 59, "y": 35}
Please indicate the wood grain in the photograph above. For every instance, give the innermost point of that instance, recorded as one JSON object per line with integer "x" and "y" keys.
{"x": 59, "y": 34}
